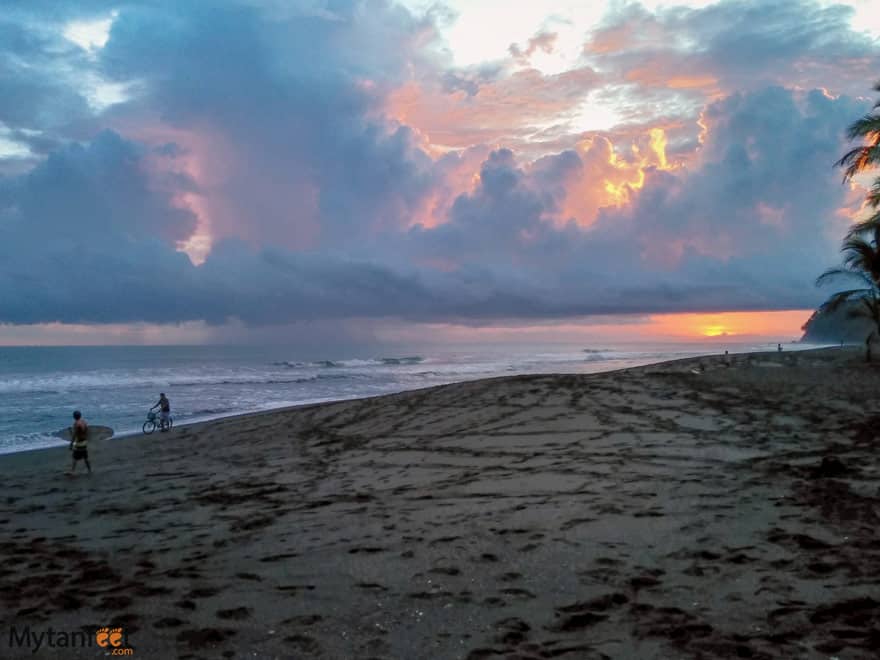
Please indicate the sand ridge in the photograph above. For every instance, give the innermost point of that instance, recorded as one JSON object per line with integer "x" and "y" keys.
{"x": 676, "y": 510}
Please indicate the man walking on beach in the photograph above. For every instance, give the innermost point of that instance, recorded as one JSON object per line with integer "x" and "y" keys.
{"x": 79, "y": 441}
{"x": 164, "y": 406}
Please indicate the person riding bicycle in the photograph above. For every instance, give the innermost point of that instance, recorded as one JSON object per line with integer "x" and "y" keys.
{"x": 164, "y": 406}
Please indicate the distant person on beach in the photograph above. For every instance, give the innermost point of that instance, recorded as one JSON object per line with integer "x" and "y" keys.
{"x": 164, "y": 406}
{"x": 79, "y": 441}
{"x": 779, "y": 347}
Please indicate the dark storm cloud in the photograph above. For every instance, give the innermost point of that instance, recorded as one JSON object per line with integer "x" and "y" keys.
{"x": 314, "y": 191}
{"x": 101, "y": 262}
{"x": 34, "y": 95}
{"x": 296, "y": 96}
{"x": 83, "y": 238}
{"x": 96, "y": 191}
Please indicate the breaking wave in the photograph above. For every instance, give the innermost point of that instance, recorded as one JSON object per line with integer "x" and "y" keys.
{"x": 352, "y": 364}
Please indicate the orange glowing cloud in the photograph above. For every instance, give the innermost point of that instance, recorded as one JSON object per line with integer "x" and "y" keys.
{"x": 460, "y": 175}
{"x": 606, "y": 178}
{"x": 660, "y": 75}
{"x": 501, "y": 113}
{"x": 854, "y": 207}
{"x": 610, "y": 179}
{"x": 704, "y": 127}
{"x": 692, "y": 82}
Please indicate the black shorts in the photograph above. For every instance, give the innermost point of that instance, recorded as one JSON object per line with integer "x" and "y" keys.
{"x": 80, "y": 453}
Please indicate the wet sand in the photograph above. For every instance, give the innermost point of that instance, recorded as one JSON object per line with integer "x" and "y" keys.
{"x": 672, "y": 511}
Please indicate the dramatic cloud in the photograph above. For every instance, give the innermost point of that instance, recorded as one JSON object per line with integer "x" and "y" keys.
{"x": 279, "y": 113}
{"x": 172, "y": 162}
{"x": 736, "y": 45}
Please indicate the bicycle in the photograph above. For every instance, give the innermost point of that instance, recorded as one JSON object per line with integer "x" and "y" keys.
{"x": 154, "y": 422}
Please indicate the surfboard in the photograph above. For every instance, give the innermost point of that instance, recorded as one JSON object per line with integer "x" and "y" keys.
{"x": 95, "y": 433}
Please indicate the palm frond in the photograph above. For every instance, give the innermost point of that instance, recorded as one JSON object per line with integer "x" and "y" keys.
{"x": 850, "y": 156}
{"x": 861, "y": 256}
{"x": 836, "y": 300}
{"x": 873, "y": 196}
{"x": 865, "y": 127}
{"x": 867, "y": 226}
{"x": 837, "y": 273}
{"x": 858, "y": 250}
{"x": 832, "y": 274}
{"x": 869, "y": 305}
{"x": 858, "y": 160}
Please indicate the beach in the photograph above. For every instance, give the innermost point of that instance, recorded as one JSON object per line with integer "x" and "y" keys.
{"x": 690, "y": 509}
{"x": 40, "y": 386}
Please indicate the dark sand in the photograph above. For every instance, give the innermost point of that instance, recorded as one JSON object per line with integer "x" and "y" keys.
{"x": 649, "y": 513}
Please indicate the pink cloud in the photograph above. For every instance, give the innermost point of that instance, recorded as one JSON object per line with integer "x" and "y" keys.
{"x": 500, "y": 111}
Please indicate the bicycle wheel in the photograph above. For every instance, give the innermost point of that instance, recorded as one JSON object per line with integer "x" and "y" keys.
{"x": 149, "y": 426}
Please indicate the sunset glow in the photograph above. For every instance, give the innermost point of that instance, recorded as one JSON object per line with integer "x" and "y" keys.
{"x": 782, "y": 324}
{"x": 501, "y": 163}
{"x": 440, "y": 328}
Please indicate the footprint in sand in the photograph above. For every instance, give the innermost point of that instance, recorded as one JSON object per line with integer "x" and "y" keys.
{"x": 200, "y": 638}
{"x": 304, "y": 644}
{"x": 168, "y": 622}
{"x": 237, "y": 613}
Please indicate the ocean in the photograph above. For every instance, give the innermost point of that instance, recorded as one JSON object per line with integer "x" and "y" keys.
{"x": 116, "y": 385}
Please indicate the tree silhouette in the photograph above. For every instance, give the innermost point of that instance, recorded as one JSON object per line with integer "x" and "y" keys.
{"x": 861, "y": 246}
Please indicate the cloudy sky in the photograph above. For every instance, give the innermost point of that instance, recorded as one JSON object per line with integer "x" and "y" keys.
{"x": 182, "y": 172}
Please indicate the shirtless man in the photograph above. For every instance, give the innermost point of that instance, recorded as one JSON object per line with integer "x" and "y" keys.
{"x": 79, "y": 441}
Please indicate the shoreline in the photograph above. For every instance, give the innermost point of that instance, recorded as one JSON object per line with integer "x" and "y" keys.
{"x": 654, "y": 512}
{"x": 485, "y": 379}
{"x": 135, "y": 433}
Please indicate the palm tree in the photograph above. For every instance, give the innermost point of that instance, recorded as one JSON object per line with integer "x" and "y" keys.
{"x": 861, "y": 159}
{"x": 861, "y": 264}
{"x": 861, "y": 247}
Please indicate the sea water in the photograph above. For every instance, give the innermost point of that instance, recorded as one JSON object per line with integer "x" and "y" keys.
{"x": 114, "y": 386}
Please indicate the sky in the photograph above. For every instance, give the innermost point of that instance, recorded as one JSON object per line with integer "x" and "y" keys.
{"x": 257, "y": 169}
